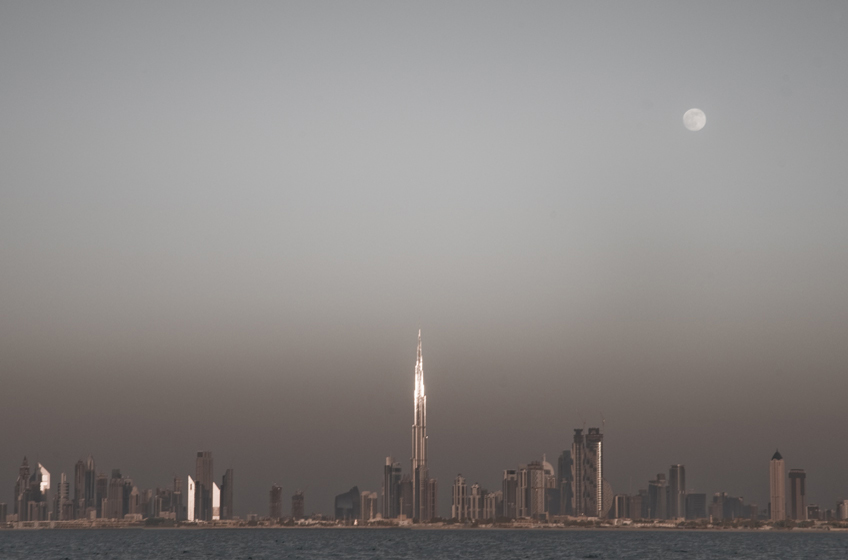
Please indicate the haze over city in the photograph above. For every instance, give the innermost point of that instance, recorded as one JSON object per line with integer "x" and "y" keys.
{"x": 222, "y": 225}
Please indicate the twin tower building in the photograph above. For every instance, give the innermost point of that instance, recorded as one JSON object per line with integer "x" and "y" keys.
{"x": 206, "y": 501}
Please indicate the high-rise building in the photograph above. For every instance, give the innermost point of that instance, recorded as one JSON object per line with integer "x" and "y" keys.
{"x": 348, "y": 505}
{"x": 777, "y": 487}
{"x": 90, "y": 493}
{"x": 677, "y": 492}
{"x": 581, "y": 494}
{"x": 101, "y": 492}
{"x": 79, "y": 489}
{"x": 493, "y": 505}
{"x": 510, "y": 490}
{"x": 727, "y": 508}
{"x": 133, "y": 504}
{"x": 424, "y": 507}
{"x": 535, "y": 500}
{"x": 522, "y": 491}
{"x": 191, "y": 500}
{"x": 552, "y": 490}
{"x": 369, "y": 505}
{"x": 216, "y": 502}
{"x": 61, "y": 510}
{"x": 227, "y": 495}
{"x": 276, "y": 507}
{"x": 31, "y": 493}
{"x": 176, "y": 504}
{"x": 127, "y": 491}
{"x": 459, "y": 499}
{"x": 476, "y": 495}
{"x": 637, "y": 505}
{"x": 115, "y": 497}
{"x": 392, "y": 473}
{"x": 297, "y": 505}
{"x": 22, "y": 492}
{"x": 564, "y": 480}
{"x": 432, "y": 503}
{"x": 620, "y": 507}
{"x": 696, "y": 506}
{"x": 842, "y": 510}
{"x": 590, "y": 495}
{"x": 658, "y": 497}
{"x": 203, "y": 480}
{"x": 595, "y": 468}
{"x": 405, "y": 496}
{"x": 798, "y": 495}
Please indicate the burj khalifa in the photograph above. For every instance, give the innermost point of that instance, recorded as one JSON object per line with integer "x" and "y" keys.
{"x": 423, "y": 488}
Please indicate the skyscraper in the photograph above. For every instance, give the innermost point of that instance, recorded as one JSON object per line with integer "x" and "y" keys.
{"x": 390, "y": 506}
{"x": 552, "y": 488}
{"x": 798, "y": 494}
{"x": 493, "y": 505}
{"x": 476, "y": 495}
{"x": 423, "y": 489}
{"x": 580, "y": 493}
{"x": 564, "y": 481}
{"x": 658, "y": 497}
{"x": 590, "y": 493}
{"x": 369, "y": 505}
{"x": 62, "y": 499}
{"x": 115, "y": 497}
{"x": 348, "y": 505}
{"x": 595, "y": 468}
{"x": 677, "y": 492}
{"x": 216, "y": 502}
{"x": 297, "y": 505}
{"x": 31, "y": 500}
{"x": 459, "y": 499}
{"x": 276, "y": 505}
{"x": 203, "y": 480}
{"x": 777, "y": 487}
{"x": 509, "y": 489}
{"x": 79, "y": 489}
{"x": 90, "y": 494}
{"x": 101, "y": 491}
{"x": 535, "y": 500}
{"x": 191, "y": 500}
{"x": 405, "y": 496}
{"x": 696, "y": 506}
{"x": 227, "y": 495}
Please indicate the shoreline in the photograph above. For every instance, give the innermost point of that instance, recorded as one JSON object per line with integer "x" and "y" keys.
{"x": 135, "y": 526}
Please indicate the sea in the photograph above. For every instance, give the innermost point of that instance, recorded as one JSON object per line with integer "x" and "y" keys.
{"x": 489, "y": 544}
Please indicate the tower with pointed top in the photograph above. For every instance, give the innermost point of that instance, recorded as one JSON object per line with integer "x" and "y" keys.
{"x": 777, "y": 483}
{"x": 423, "y": 489}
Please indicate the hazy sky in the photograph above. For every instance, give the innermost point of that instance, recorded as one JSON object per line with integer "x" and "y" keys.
{"x": 222, "y": 224}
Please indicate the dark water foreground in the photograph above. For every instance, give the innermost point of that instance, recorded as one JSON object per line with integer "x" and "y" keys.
{"x": 260, "y": 544}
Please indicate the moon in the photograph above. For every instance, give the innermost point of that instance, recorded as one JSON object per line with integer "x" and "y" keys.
{"x": 694, "y": 119}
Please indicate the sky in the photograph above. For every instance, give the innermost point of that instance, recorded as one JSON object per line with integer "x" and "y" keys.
{"x": 222, "y": 225}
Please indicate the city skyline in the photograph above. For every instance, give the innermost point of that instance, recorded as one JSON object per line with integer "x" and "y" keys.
{"x": 578, "y": 487}
{"x": 221, "y": 226}
{"x": 533, "y": 491}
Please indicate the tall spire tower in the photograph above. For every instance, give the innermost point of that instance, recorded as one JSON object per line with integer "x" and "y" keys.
{"x": 420, "y": 482}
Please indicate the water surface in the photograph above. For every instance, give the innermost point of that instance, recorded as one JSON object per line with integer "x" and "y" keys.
{"x": 261, "y": 544}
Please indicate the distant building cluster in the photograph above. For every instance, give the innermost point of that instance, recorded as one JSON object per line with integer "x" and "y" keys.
{"x": 115, "y": 497}
{"x": 575, "y": 489}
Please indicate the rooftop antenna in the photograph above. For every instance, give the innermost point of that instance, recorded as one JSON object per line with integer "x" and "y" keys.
{"x": 603, "y": 423}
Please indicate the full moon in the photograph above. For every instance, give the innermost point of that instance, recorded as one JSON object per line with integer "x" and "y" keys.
{"x": 694, "y": 119}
